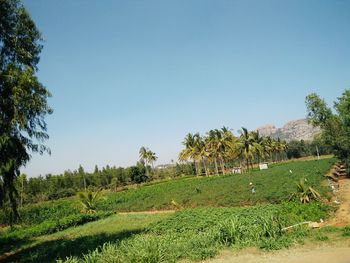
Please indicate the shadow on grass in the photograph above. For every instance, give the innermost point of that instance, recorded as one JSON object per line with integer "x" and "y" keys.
{"x": 61, "y": 248}
{"x": 8, "y": 244}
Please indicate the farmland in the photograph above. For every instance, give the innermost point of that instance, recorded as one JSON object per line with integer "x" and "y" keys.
{"x": 215, "y": 212}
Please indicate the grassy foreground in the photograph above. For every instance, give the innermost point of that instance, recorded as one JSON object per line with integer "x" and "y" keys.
{"x": 76, "y": 241}
{"x": 197, "y": 234}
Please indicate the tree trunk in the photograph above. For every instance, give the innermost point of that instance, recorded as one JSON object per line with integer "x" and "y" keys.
{"x": 205, "y": 167}
{"x": 84, "y": 182}
{"x": 196, "y": 167}
{"x": 216, "y": 166}
{"x": 22, "y": 190}
{"x": 222, "y": 166}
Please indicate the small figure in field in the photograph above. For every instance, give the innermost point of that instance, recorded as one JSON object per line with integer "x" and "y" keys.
{"x": 252, "y": 188}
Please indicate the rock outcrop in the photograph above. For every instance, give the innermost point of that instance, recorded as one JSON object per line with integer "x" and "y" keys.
{"x": 293, "y": 130}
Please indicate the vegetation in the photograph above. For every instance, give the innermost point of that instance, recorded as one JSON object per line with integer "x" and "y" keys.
{"x": 208, "y": 216}
{"x": 298, "y": 149}
{"x": 23, "y": 103}
{"x": 77, "y": 240}
{"x": 221, "y": 146}
{"x": 9, "y": 240}
{"x": 272, "y": 186}
{"x": 89, "y": 201}
{"x": 197, "y": 234}
{"x": 191, "y": 233}
{"x": 335, "y": 126}
{"x": 147, "y": 157}
{"x": 305, "y": 193}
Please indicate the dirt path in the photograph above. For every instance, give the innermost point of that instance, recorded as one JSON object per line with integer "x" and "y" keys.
{"x": 335, "y": 253}
{"x": 342, "y": 215}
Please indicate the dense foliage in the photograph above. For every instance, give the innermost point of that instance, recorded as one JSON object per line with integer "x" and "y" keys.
{"x": 297, "y": 149}
{"x": 335, "y": 125}
{"x": 23, "y": 99}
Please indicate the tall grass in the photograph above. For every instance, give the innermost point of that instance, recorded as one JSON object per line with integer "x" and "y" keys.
{"x": 197, "y": 234}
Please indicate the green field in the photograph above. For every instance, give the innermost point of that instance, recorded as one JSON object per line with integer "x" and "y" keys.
{"x": 272, "y": 186}
{"x": 209, "y": 221}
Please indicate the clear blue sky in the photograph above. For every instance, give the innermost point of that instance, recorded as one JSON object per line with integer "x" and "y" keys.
{"x": 126, "y": 74}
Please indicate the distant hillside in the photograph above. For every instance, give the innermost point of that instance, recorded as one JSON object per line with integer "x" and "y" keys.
{"x": 293, "y": 130}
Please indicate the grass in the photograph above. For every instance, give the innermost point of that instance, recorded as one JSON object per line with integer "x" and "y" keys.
{"x": 197, "y": 234}
{"x": 12, "y": 238}
{"x": 78, "y": 240}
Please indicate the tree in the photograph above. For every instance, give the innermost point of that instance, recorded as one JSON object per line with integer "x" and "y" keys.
{"x": 147, "y": 157}
{"x": 190, "y": 151}
{"x": 23, "y": 99}
{"x": 335, "y": 126}
{"x": 246, "y": 146}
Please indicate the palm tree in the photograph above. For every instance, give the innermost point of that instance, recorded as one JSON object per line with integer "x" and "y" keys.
{"x": 89, "y": 200}
{"x": 151, "y": 156}
{"x": 212, "y": 145}
{"x": 258, "y": 145}
{"x": 147, "y": 157}
{"x": 281, "y": 147}
{"x": 246, "y": 146}
{"x": 200, "y": 151}
{"x": 189, "y": 153}
{"x": 143, "y": 154}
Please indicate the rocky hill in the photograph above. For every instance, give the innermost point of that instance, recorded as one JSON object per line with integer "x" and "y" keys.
{"x": 293, "y": 130}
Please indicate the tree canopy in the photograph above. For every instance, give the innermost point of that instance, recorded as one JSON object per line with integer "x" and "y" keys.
{"x": 23, "y": 99}
{"x": 335, "y": 125}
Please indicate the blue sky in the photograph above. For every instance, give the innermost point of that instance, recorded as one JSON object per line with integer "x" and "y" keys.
{"x": 126, "y": 74}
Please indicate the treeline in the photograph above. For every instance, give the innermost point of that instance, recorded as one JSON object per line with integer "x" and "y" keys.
{"x": 219, "y": 150}
{"x": 49, "y": 187}
{"x": 297, "y": 149}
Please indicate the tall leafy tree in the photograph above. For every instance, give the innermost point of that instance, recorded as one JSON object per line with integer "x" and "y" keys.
{"x": 23, "y": 99}
{"x": 335, "y": 125}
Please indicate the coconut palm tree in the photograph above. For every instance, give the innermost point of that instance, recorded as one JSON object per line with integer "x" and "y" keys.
{"x": 212, "y": 145}
{"x": 190, "y": 151}
{"x": 246, "y": 146}
{"x": 151, "y": 156}
{"x": 143, "y": 155}
{"x": 147, "y": 157}
{"x": 258, "y": 145}
{"x": 200, "y": 151}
